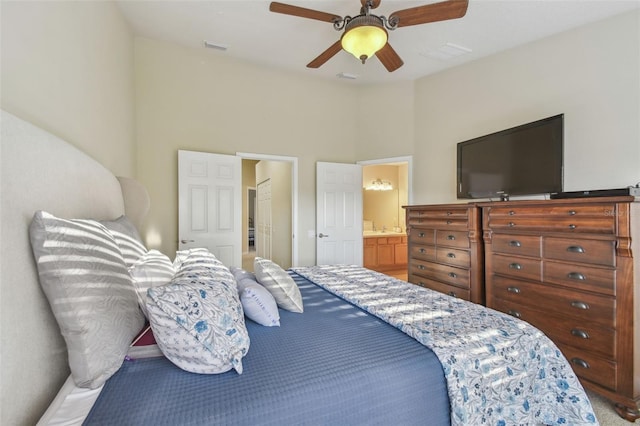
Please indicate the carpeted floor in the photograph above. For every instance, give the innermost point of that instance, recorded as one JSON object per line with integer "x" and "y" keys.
{"x": 605, "y": 412}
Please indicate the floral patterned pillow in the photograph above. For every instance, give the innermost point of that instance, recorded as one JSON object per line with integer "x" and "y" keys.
{"x": 197, "y": 320}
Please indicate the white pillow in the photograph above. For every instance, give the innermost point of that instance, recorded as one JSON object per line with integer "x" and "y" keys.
{"x": 259, "y": 305}
{"x": 127, "y": 238}
{"x": 197, "y": 320}
{"x": 153, "y": 269}
{"x": 240, "y": 273}
{"x": 85, "y": 279}
{"x": 281, "y": 286}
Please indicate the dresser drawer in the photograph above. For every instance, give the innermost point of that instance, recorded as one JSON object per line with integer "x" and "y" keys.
{"x": 600, "y": 225}
{"x": 567, "y": 210}
{"x": 448, "y": 274}
{"x": 440, "y": 222}
{"x": 518, "y": 267}
{"x": 581, "y": 335}
{"x": 458, "y": 239}
{"x": 453, "y": 257}
{"x": 579, "y": 306}
{"x": 591, "y": 367}
{"x": 600, "y": 252}
{"x": 422, "y": 236}
{"x": 450, "y": 290}
{"x": 581, "y": 277}
{"x": 523, "y": 245}
{"x": 455, "y": 213}
{"x": 422, "y": 252}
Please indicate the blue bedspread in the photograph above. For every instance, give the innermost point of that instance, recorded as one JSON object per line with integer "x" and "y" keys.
{"x": 333, "y": 364}
{"x": 499, "y": 370}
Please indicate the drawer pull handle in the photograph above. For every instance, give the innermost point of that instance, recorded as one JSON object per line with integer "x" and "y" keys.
{"x": 421, "y": 235}
{"x": 515, "y": 290}
{"x": 453, "y": 274}
{"x": 449, "y": 222}
{"x": 511, "y": 212}
{"x": 452, "y": 294}
{"x": 572, "y": 212}
{"x": 421, "y": 267}
{"x": 515, "y": 266}
{"x": 572, "y": 226}
{"x": 580, "y": 362}
{"x": 451, "y": 237}
{"x": 515, "y": 243}
{"x": 579, "y": 333}
{"x": 575, "y": 249}
{"x": 580, "y": 305}
{"x": 511, "y": 224}
{"x": 514, "y": 313}
{"x": 451, "y": 255}
{"x": 422, "y": 250}
{"x": 576, "y": 276}
{"x": 448, "y": 213}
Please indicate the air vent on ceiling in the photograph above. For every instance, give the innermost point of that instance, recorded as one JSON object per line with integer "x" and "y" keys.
{"x": 347, "y": 76}
{"x": 447, "y": 51}
{"x": 215, "y": 46}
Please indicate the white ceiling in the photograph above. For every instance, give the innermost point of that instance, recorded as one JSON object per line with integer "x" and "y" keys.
{"x": 254, "y": 34}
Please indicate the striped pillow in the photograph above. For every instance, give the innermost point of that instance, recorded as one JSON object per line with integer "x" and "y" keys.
{"x": 283, "y": 288}
{"x": 127, "y": 238}
{"x": 85, "y": 279}
{"x": 153, "y": 269}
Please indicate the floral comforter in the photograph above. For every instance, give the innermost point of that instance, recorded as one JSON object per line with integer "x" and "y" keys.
{"x": 499, "y": 370}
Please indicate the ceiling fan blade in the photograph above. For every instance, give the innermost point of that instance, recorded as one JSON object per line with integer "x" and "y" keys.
{"x": 389, "y": 58}
{"x": 374, "y": 3}
{"x": 450, "y": 9}
{"x": 326, "y": 55}
{"x": 302, "y": 12}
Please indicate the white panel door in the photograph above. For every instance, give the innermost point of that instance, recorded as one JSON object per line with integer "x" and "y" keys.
{"x": 339, "y": 214}
{"x": 264, "y": 221}
{"x": 210, "y": 204}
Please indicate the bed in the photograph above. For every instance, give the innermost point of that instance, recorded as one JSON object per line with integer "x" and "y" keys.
{"x": 356, "y": 348}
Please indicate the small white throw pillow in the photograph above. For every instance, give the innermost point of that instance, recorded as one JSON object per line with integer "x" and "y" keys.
{"x": 259, "y": 305}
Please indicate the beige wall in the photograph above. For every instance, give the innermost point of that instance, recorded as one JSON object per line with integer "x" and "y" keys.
{"x": 591, "y": 74}
{"x": 385, "y": 120}
{"x": 279, "y": 172}
{"x": 201, "y": 100}
{"x": 248, "y": 181}
{"x": 67, "y": 67}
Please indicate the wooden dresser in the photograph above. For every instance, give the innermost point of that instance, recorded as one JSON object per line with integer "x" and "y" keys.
{"x": 567, "y": 267}
{"x": 445, "y": 249}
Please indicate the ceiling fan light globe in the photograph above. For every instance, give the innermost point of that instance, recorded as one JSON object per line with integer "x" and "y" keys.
{"x": 364, "y": 41}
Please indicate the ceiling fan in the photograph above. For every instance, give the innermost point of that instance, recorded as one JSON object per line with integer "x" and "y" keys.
{"x": 366, "y": 34}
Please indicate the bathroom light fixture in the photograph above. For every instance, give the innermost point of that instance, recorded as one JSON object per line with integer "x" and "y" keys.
{"x": 379, "y": 185}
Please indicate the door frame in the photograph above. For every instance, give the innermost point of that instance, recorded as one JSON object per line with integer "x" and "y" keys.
{"x": 404, "y": 159}
{"x": 294, "y": 194}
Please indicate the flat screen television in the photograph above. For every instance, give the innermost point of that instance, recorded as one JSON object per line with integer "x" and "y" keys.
{"x": 522, "y": 160}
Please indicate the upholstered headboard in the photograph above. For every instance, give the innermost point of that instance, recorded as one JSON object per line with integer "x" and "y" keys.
{"x": 42, "y": 172}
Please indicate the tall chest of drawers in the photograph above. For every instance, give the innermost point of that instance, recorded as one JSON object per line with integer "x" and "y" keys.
{"x": 445, "y": 249}
{"x": 568, "y": 268}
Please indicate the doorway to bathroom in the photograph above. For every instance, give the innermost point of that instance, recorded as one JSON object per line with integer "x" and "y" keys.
{"x": 386, "y": 187}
